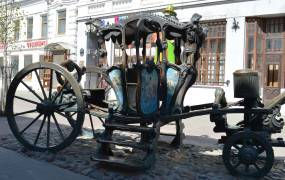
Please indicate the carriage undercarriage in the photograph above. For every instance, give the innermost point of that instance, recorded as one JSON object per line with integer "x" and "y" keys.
{"x": 160, "y": 92}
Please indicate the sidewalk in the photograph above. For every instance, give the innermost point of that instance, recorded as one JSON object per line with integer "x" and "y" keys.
{"x": 14, "y": 166}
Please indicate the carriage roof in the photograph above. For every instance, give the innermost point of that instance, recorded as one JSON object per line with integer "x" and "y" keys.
{"x": 144, "y": 24}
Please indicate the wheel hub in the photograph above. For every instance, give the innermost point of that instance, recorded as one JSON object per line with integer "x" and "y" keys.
{"x": 248, "y": 155}
{"x": 46, "y": 107}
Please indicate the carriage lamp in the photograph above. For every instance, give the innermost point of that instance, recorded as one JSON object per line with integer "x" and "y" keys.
{"x": 90, "y": 27}
{"x": 92, "y": 24}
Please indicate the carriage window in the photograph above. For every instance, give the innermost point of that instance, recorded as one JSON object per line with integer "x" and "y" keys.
{"x": 272, "y": 75}
{"x": 212, "y": 63}
{"x": 117, "y": 55}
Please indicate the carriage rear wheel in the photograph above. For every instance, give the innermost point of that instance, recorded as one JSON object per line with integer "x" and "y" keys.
{"x": 248, "y": 154}
{"x": 44, "y": 115}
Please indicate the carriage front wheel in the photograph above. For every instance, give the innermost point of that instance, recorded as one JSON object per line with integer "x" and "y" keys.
{"x": 43, "y": 114}
{"x": 247, "y": 153}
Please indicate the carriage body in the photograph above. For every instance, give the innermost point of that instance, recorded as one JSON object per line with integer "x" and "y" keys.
{"x": 148, "y": 96}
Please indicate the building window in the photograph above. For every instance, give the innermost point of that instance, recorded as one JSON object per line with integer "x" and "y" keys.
{"x": 61, "y": 24}
{"x": 28, "y": 59}
{"x": 272, "y": 75}
{"x": 264, "y": 49}
{"x": 44, "y": 26}
{"x": 30, "y": 28}
{"x": 15, "y": 65}
{"x": 16, "y": 30}
{"x": 211, "y": 67}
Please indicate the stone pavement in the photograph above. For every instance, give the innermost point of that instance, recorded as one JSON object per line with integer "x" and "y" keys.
{"x": 198, "y": 162}
{"x": 14, "y": 166}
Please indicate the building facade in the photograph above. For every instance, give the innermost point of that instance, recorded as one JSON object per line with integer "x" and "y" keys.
{"x": 48, "y": 32}
{"x": 242, "y": 34}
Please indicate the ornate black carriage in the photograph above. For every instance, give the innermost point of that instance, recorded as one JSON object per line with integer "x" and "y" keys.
{"x": 159, "y": 93}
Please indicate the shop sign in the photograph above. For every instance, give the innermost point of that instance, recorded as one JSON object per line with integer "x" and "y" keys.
{"x": 36, "y": 44}
{"x": 26, "y": 45}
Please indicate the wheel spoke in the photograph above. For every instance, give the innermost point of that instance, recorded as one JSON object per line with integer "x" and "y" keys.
{"x": 60, "y": 91}
{"x": 237, "y": 165}
{"x": 69, "y": 119}
{"x": 32, "y": 91}
{"x": 246, "y": 168}
{"x": 58, "y": 127}
{"x": 28, "y": 100}
{"x": 40, "y": 130}
{"x": 244, "y": 141}
{"x": 68, "y": 104}
{"x": 30, "y": 124}
{"x": 50, "y": 83}
{"x": 48, "y": 131}
{"x": 92, "y": 126}
{"x": 40, "y": 83}
{"x": 260, "y": 149}
{"x": 257, "y": 167}
{"x": 236, "y": 147}
{"x": 73, "y": 114}
{"x": 232, "y": 154}
{"x": 261, "y": 158}
{"x": 25, "y": 112}
{"x": 101, "y": 120}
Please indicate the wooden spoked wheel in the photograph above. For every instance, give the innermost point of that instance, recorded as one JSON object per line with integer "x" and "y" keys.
{"x": 248, "y": 154}
{"x": 45, "y": 116}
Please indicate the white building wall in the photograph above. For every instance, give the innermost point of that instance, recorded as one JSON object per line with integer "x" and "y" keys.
{"x": 210, "y": 10}
{"x": 35, "y": 9}
{"x": 70, "y": 36}
{"x": 78, "y": 11}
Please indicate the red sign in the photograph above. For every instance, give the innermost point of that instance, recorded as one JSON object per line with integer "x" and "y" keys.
{"x": 35, "y": 44}
{"x": 26, "y": 45}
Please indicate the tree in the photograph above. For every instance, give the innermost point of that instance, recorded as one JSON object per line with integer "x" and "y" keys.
{"x": 10, "y": 20}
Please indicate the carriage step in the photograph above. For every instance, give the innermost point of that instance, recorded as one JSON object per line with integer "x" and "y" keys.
{"x": 134, "y": 164}
{"x": 126, "y": 144}
{"x": 129, "y": 128}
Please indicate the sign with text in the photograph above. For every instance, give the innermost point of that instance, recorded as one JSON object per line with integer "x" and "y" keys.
{"x": 26, "y": 45}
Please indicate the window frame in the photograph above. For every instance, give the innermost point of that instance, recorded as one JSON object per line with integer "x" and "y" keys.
{"x": 58, "y": 21}
{"x": 42, "y": 26}
{"x": 16, "y": 30}
{"x": 265, "y": 30}
{"x": 30, "y": 29}
{"x": 209, "y": 67}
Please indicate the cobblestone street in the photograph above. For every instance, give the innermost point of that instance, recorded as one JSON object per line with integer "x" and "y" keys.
{"x": 199, "y": 161}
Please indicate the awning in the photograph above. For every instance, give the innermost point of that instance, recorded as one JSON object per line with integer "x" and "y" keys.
{"x": 58, "y": 46}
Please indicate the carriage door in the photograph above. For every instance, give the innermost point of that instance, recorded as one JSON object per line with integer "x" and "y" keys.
{"x": 273, "y": 55}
